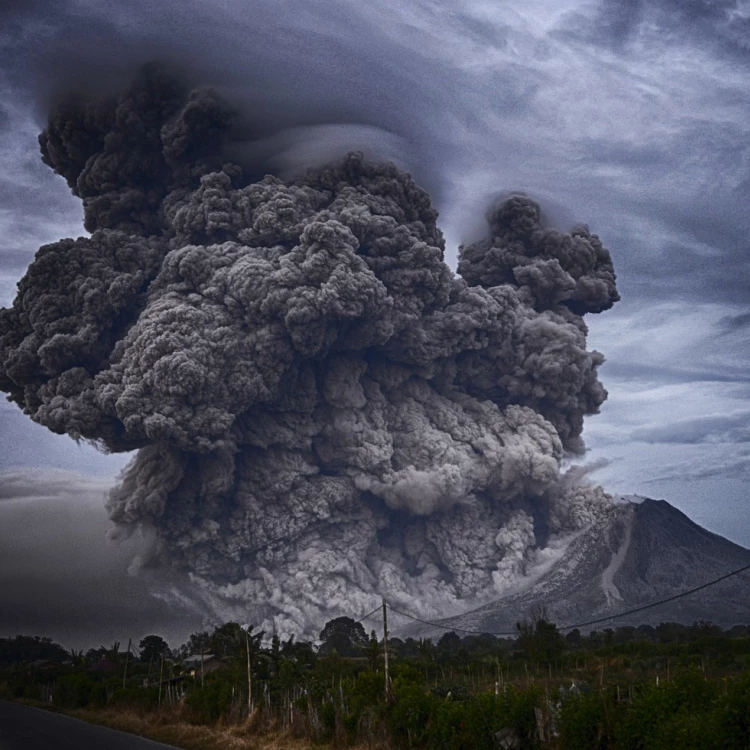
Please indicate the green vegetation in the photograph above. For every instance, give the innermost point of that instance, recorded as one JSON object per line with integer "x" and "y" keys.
{"x": 628, "y": 688}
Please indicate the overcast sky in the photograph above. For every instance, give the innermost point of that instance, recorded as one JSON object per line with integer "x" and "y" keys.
{"x": 630, "y": 116}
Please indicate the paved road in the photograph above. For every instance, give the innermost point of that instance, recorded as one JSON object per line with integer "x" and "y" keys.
{"x": 26, "y": 728}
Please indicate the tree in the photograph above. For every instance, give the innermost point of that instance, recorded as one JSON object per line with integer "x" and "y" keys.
{"x": 30, "y": 648}
{"x": 449, "y": 642}
{"x": 625, "y": 634}
{"x": 426, "y": 649}
{"x": 113, "y": 652}
{"x": 372, "y": 650}
{"x": 152, "y": 648}
{"x": 541, "y": 640}
{"x": 77, "y": 658}
{"x": 199, "y": 643}
{"x": 228, "y": 640}
{"x": 703, "y": 629}
{"x": 343, "y": 635}
{"x": 276, "y": 655}
{"x": 671, "y": 632}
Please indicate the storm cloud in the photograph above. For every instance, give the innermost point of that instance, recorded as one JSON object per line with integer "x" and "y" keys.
{"x": 323, "y": 412}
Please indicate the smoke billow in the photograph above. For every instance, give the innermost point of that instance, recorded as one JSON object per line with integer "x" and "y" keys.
{"x": 322, "y": 411}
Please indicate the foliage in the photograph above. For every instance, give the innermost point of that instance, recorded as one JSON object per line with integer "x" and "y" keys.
{"x": 78, "y": 690}
{"x": 344, "y": 636}
{"x": 540, "y": 640}
{"x": 626, "y": 688}
{"x": 209, "y": 703}
{"x": 26, "y": 648}
{"x": 152, "y": 648}
{"x": 199, "y": 643}
{"x": 583, "y": 721}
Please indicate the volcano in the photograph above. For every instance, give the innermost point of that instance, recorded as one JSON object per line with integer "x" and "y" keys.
{"x": 643, "y": 551}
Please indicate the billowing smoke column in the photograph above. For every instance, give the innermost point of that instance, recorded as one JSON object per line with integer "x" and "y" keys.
{"x": 322, "y": 411}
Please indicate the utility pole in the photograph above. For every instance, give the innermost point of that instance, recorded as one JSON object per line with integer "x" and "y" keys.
{"x": 249, "y": 675}
{"x": 161, "y": 678}
{"x": 385, "y": 650}
{"x": 125, "y": 673}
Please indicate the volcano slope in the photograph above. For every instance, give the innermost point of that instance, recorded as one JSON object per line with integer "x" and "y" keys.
{"x": 639, "y": 553}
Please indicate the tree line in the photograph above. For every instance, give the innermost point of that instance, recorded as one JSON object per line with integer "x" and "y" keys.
{"x": 624, "y": 687}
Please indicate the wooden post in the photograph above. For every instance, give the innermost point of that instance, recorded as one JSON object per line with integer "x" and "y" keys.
{"x": 385, "y": 649}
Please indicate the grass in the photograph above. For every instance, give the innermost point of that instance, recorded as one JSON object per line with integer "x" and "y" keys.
{"x": 170, "y": 728}
{"x": 173, "y": 730}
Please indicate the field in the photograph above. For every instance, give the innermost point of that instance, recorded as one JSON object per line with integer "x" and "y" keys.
{"x": 639, "y": 688}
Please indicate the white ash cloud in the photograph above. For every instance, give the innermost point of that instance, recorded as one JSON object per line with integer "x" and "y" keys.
{"x": 323, "y": 411}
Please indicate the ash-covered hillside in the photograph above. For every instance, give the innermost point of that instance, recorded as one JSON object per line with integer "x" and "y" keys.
{"x": 639, "y": 553}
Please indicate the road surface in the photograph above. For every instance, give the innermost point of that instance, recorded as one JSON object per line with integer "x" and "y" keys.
{"x": 26, "y": 728}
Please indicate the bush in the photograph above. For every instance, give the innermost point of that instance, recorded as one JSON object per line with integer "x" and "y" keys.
{"x": 471, "y": 724}
{"x": 410, "y": 715}
{"x": 734, "y": 713}
{"x": 327, "y": 716}
{"x": 655, "y": 707}
{"x": 79, "y": 691}
{"x": 209, "y": 703}
{"x": 583, "y": 722}
{"x": 689, "y": 731}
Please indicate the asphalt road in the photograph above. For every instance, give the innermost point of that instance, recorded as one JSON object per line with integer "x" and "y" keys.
{"x": 26, "y": 728}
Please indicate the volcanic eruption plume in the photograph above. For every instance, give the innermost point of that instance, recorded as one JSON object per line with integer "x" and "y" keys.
{"x": 322, "y": 411}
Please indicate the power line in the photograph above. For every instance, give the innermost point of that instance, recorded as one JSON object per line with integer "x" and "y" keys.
{"x": 445, "y": 627}
{"x": 656, "y": 604}
{"x": 369, "y": 614}
{"x": 588, "y": 622}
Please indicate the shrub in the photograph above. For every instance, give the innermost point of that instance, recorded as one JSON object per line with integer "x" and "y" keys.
{"x": 734, "y": 713}
{"x": 410, "y": 715}
{"x": 79, "y": 691}
{"x": 655, "y": 706}
{"x": 209, "y": 703}
{"x": 583, "y": 722}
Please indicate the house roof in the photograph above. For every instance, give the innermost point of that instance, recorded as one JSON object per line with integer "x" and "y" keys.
{"x": 103, "y": 665}
{"x": 193, "y": 661}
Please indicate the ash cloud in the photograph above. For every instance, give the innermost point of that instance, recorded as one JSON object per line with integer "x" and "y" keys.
{"x": 323, "y": 411}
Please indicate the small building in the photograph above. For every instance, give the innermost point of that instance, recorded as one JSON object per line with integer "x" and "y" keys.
{"x": 44, "y": 665}
{"x": 203, "y": 664}
{"x": 103, "y": 665}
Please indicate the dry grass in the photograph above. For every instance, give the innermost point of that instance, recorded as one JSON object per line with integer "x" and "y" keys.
{"x": 172, "y": 729}
{"x": 169, "y": 726}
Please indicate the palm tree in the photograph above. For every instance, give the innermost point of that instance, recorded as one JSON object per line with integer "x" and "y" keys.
{"x": 77, "y": 658}
{"x": 113, "y": 653}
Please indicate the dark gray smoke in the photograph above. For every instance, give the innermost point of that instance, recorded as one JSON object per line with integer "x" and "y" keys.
{"x": 322, "y": 411}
